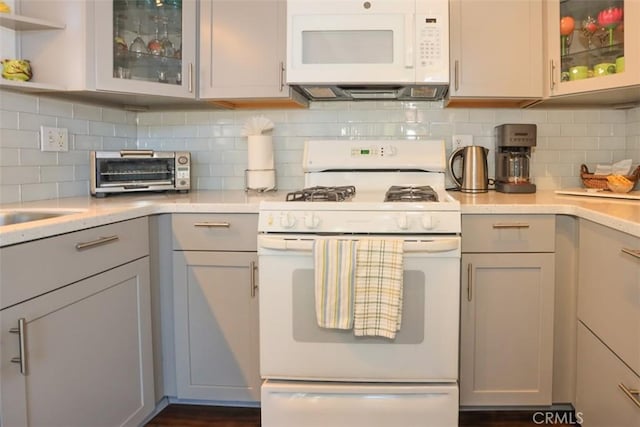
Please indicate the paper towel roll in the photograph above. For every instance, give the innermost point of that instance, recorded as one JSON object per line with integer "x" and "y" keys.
{"x": 261, "y": 180}
{"x": 260, "y": 152}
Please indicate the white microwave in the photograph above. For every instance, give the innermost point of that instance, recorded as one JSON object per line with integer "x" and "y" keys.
{"x": 368, "y": 48}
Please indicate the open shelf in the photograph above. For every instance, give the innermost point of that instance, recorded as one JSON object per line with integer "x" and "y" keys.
{"x": 25, "y": 23}
{"x": 29, "y": 86}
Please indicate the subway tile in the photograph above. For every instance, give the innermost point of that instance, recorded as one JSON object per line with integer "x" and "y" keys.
{"x": 15, "y": 101}
{"x": 148, "y": 119}
{"x": 54, "y": 107}
{"x": 12, "y": 138}
{"x": 8, "y": 119}
{"x": 9, "y": 193}
{"x": 102, "y": 129}
{"x": 29, "y": 121}
{"x": 43, "y": 191}
{"x": 56, "y": 173}
{"x": 74, "y": 126}
{"x": 87, "y": 112}
{"x": 88, "y": 142}
{"x": 115, "y": 116}
{"x": 38, "y": 158}
{"x": 9, "y": 157}
{"x": 73, "y": 189}
{"x": 19, "y": 175}
{"x": 172, "y": 118}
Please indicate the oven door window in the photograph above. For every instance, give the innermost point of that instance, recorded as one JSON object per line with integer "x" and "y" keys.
{"x": 119, "y": 172}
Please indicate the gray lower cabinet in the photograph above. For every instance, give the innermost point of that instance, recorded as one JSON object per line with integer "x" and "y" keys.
{"x": 608, "y": 354}
{"x": 507, "y": 299}
{"x": 216, "y": 307}
{"x": 80, "y": 354}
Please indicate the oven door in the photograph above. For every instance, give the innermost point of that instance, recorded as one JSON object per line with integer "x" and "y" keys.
{"x": 293, "y": 346}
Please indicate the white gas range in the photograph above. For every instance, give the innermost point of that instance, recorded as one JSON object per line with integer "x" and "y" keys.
{"x": 316, "y": 376}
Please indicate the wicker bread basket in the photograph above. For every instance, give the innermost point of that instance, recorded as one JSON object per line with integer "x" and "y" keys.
{"x": 600, "y": 181}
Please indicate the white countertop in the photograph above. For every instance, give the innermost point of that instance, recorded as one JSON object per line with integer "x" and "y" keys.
{"x": 623, "y": 215}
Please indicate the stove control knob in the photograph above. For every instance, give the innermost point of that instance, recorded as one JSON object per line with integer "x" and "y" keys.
{"x": 429, "y": 222}
{"x": 311, "y": 220}
{"x": 402, "y": 221}
{"x": 287, "y": 220}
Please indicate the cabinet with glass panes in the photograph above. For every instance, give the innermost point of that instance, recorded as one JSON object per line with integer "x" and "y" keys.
{"x": 592, "y": 45}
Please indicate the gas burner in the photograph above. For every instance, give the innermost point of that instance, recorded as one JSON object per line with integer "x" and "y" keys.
{"x": 398, "y": 193}
{"x": 322, "y": 194}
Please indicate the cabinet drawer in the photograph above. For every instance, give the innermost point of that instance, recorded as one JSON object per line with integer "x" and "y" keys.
{"x": 210, "y": 232}
{"x": 33, "y": 268}
{"x": 508, "y": 233}
{"x": 609, "y": 289}
{"x": 600, "y": 399}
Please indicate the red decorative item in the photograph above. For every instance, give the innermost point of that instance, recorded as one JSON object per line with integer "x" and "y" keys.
{"x": 610, "y": 18}
{"x": 567, "y": 25}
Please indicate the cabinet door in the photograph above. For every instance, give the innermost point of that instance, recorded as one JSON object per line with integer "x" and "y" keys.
{"x": 87, "y": 354}
{"x": 146, "y": 47}
{"x": 496, "y": 48}
{"x": 506, "y": 340}
{"x": 592, "y": 45}
{"x": 242, "y": 51}
{"x": 216, "y": 325}
{"x": 609, "y": 288}
{"x": 600, "y": 397}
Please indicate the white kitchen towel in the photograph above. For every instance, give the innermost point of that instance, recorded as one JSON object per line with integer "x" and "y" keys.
{"x": 378, "y": 288}
{"x": 334, "y": 262}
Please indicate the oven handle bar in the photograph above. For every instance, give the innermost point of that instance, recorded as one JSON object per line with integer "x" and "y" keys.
{"x": 444, "y": 245}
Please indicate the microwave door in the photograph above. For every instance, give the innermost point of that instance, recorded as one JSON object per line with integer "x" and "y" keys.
{"x": 351, "y": 49}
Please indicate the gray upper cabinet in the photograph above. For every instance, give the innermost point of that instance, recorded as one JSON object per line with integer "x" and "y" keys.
{"x": 496, "y": 50}
{"x": 243, "y": 52}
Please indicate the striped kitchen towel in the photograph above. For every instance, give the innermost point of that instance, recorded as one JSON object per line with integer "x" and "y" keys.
{"x": 378, "y": 288}
{"x": 334, "y": 262}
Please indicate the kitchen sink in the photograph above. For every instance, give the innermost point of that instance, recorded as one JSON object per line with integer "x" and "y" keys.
{"x": 10, "y": 217}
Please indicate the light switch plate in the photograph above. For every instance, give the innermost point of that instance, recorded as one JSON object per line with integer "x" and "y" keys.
{"x": 54, "y": 139}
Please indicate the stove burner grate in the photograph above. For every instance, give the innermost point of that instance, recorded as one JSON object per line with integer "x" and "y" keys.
{"x": 398, "y": 193}
{"x": 322, "y": 194}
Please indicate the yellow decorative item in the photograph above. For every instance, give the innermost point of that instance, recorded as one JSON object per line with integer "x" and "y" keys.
{"x": 16, "y": 69}
{"x": 619, "y": 184}
{"x": 4, "y": 8}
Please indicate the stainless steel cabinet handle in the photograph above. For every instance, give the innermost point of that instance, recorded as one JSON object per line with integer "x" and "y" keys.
{"x": 469, "y": 282}
{"x": 212, "y": 224}
{"x": 455, "y": 75}
{"x": 633, "y": 252}
{"x": 97, "y": 242}
{"x": 552, "y": 69}
{"x": 631, "y": 393}
{"x": 22, "y": 359}
{"x": 190, "y": 80}
{"x": 281, "y": 76}
{"x": 254, "y": 283}
{"x": 510, "y": 225}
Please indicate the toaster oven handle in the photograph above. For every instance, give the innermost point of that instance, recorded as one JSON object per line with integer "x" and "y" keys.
{"x": 425, "y": 246}
{"x": 136, "y": 153}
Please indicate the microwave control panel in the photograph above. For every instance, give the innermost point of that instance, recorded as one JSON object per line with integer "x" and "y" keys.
{"x": 432, "y": 49}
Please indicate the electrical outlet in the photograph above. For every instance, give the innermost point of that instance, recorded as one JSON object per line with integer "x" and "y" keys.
{"x": 54, "y": 139}
{"x": 461, "y": 141}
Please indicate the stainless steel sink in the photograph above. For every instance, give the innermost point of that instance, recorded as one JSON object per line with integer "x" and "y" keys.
{"x": 9, "y": 217}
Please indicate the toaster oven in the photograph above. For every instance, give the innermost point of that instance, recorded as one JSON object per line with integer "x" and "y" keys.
{"x": 139, "y": 170}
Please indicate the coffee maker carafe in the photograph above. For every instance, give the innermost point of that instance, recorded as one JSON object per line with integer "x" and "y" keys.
{"x": 513, "y": 157}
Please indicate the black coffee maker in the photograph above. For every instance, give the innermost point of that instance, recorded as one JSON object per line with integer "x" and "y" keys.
{"x": 513, "y": 157}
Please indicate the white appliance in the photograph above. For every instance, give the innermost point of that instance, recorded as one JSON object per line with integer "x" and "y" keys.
{"x": 368, "y": 49}
{"x": 326, "y": 377}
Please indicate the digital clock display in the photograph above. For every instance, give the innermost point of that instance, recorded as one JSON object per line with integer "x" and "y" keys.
{"x": 365, "y": 151}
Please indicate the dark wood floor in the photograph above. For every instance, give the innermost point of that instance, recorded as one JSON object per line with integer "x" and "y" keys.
{"x": 214, "y": 416}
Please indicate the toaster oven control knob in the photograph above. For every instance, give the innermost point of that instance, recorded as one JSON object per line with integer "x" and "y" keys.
{"x": 287, "y": 220}
{"x": 428, "y": 222}
{"x": 311, "y": 220}
{"x": 402, "y": 221}
{"x": 183, "y": 160}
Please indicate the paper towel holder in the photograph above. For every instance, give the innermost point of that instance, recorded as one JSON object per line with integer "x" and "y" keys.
{"x": 259, "y": 189}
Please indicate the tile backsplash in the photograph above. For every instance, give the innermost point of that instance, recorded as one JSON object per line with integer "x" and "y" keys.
{"x": 566, "y": 138}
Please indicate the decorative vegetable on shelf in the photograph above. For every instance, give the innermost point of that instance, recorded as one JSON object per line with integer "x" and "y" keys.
{"x": 4, "y": 8}
{"x": 567, "y": 25}
{"x": 610, "y": 18}
{"x": 16, "y": 69}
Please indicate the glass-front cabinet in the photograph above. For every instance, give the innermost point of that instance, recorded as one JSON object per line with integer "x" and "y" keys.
{"x": 146, "y": 46}
{"x": 593, "y": 45}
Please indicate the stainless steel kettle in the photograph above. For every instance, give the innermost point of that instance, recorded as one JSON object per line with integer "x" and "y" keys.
{"x": 475, "y": 171}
